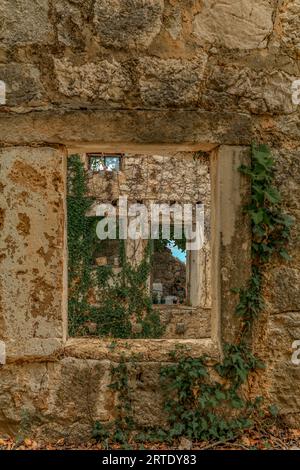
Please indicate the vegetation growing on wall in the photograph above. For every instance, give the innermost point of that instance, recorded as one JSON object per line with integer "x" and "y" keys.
{"x": 125, "y": 299}
{"x": 204, "y": 399}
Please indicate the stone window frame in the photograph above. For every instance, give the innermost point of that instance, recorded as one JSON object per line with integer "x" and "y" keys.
{"x": 230, "y": 244}
{"x": 230, "y": 262}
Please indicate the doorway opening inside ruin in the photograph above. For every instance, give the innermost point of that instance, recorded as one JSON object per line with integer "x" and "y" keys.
{"x": 153, "y": 285}
{"x": 168, "y": 276}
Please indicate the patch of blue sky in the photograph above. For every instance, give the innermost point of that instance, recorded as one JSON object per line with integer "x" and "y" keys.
{"x": 176, "y": 252}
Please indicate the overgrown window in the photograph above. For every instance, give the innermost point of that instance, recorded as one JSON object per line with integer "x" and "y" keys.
{"x": 123, "y": 286}
{"x": 104, "y": 162}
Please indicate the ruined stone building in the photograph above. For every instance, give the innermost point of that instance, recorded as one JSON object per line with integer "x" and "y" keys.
{"x": 171, "y": 93}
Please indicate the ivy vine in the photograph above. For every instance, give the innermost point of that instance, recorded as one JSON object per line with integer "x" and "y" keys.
{"x": 125, "y": 300}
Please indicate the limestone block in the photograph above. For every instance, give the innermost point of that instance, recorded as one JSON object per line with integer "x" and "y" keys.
{"x": 79, "y": 128}
{"x": 171, "y": 82}
{"x": 232, "y": 191}
{"x": 25, "y": 22}
{"x": 147, "y": 400}
{"x": 288, "y": 176}
{"x": 284, "y": 392}
{"x": 32, "y": 250}
{"x": 102, "y": 81}
{"x": 24, "y": 395}
{"x": 289, "y": 24}
{"x": 235, "y": 24}
{"x": 173, "y": 23}
{"x": 127, "y": 24}
{"x": 56, "y": 400}
{"x": 72, "y": 21}
{"x": 282, "y": 289}
{"x": 281, "y": 377}
{"x": 258, "y": 91}
{"x": 79, "y": 396}
{"x": 276, "y": 93}
{"x": 146, "y": 350}
{"x": 23, "y": 85}
{"x": 283, "y": 330}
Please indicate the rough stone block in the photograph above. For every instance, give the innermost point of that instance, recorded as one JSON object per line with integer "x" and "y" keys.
{"x": 282, "y": 289}
{"x": 55, "y": 400}
{"x": 72, "y": 21}
{"x": 23, "y": 85}
{"x": 105, "y": 81}
{"x": 235, "y": 24}
{"x": 32, "y": 250}
{"x": 25, "y": 22}
{"x": 289, "y": 24}
{"x": 256, "y": 91}
{"x": 128, "y": 23}
{"x": 171, "y": 82}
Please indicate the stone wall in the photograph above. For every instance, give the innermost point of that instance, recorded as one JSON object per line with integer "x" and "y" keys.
{"x": 229, "y": 65}
{"x": 137, "y": 76}
{"x": 280, "y": 324}
{"x": 181, "y": 177}
{"x": 138, "y": 54}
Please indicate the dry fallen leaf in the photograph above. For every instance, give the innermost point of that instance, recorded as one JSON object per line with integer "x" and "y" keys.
{"x": 27, "y": 442}
{"x": 295, "y": 432}
{"x": 246, "y": 441}
{"x": 60, "y": 442}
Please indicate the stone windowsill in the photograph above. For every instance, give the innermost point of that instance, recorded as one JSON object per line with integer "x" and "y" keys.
{"x": 179, "y": 307}
{"x": 143, "y": 350}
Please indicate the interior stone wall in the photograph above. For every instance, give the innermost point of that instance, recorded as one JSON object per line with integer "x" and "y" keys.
{"x": 122, "y": 75}
{"x": 181, "y": 177}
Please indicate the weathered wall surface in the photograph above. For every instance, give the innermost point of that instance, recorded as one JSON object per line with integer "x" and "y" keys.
{"x": 280, "y": 324}
{"x": 63, "y": 398}
{"x": 194, "y": 73}
{"x": 32, "y": 247}
{"x": 230, "y": 65}
{"x": 181, "y": 177}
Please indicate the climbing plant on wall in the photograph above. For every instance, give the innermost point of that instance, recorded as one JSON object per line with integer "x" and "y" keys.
{"x": 202, "y": 407}
{"x": 204, "y": 399}
{"x": 197, "y": 405}
{"x": 125, "y": 300}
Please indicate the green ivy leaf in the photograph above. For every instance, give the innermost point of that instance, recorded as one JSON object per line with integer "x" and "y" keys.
{"x": 272, "y": 195}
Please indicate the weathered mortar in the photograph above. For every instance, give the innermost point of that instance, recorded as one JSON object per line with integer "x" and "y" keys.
{"x": 189, "y": 73}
